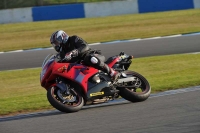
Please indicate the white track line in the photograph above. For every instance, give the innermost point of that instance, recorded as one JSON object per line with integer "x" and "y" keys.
{"x": 116, "y": 41}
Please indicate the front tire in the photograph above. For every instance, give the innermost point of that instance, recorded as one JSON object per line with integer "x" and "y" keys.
{"x": 132, "y": 94}
{"x": 55, "y": 98}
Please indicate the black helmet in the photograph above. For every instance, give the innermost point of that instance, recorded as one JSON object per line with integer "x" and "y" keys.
{"x": 57, "y": 39}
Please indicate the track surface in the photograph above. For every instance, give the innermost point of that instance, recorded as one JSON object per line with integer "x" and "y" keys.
{"x": 179, "y": 113}
{"x": 142, "y": 48}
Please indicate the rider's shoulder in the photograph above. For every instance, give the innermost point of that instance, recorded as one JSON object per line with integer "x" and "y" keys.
{"x": 74, "y": 36}
{"x": 77, "y": 38}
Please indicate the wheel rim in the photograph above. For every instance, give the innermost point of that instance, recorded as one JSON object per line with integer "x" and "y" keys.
{"x": 139, "y": 83}
{"x": 73, "y": 99}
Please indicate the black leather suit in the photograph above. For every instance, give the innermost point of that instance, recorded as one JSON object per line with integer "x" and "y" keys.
{"x": 85, "y": 53}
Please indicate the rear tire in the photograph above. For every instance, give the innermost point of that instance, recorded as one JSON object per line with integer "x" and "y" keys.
{"x": 131, "y": 94}
{"x": 56, "y": 102}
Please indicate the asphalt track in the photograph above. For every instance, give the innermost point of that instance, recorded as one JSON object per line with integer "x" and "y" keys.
{"x": 178, "y": 113}
{"x": 137, "y": 48}
{"x": 167, "y": 113}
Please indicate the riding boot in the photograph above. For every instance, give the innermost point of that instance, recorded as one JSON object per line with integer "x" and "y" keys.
{"x": 114, "y": 75}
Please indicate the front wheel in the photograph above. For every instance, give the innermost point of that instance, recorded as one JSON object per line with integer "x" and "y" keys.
{"x": 141, "y": 90}
{"x": 65, "y": 103}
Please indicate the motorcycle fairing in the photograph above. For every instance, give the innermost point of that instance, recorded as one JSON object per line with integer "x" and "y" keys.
{"x": 113, "y": 61}
{"x": 79, "y": 74}
{"x": 74, "y": 72}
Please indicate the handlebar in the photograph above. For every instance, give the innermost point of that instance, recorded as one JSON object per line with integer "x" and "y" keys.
{"x": 125, "y": 56}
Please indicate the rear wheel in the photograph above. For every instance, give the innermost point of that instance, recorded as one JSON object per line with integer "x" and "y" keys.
{"x": 141, "y": 90}
{"x": 66, "y": 103}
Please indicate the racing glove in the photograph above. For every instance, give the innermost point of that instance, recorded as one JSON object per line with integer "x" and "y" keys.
{"x": 70, "y": 55}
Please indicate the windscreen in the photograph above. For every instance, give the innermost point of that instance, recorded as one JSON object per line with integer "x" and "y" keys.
{"x": 46, "y": 63}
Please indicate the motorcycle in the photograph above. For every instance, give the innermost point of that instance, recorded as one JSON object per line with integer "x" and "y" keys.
{"x": 70, "y": 86}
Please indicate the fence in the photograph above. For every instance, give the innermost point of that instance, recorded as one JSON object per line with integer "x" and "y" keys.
{"x": 95, "y": 9}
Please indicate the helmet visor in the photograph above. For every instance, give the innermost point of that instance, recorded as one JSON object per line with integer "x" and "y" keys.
{"x": 56, "y": 45}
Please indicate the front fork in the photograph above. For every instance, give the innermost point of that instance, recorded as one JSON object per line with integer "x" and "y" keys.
{"x": 63, "y": 88}
{"x": 64, "y": 93}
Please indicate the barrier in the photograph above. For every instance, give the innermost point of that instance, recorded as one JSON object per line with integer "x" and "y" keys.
{"x": 96, "y": 9}
{"x": 196, "y": 3}
{"x": 101, "y": 9}
{"x": 164, "y": 5}
{"x": 58, "y": 12}
{"x": 16, "y": 15}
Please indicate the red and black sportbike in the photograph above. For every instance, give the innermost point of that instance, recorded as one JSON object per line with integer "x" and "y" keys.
{"x": 70, "y": 86}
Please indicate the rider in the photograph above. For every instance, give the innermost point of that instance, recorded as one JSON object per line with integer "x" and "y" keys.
{"x": 74, "y": 48}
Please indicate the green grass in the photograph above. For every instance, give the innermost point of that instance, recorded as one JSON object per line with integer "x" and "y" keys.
{"x": 37, "y": 34}
{"x": 21, "y": 92}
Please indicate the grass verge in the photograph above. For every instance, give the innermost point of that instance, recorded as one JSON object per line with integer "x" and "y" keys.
{"x": 21, "y": 92}
{"x": 36, "y": 34}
